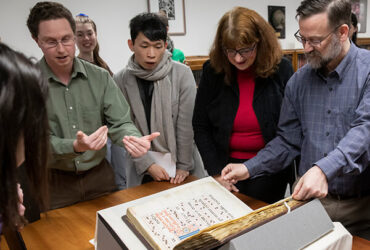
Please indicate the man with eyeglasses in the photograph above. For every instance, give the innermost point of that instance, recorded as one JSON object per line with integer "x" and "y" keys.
{"x": 84, "y": 106}
{"x": 325, "y": 118}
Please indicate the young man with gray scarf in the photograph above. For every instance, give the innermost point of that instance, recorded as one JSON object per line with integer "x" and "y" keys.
{"x": 161, "y": 93}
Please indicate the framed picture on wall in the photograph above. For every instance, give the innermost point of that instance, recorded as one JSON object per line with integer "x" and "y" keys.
{"x": 276, "y": 17}
{"x": 359, "y": 7}
{"x": 174, "y": 10}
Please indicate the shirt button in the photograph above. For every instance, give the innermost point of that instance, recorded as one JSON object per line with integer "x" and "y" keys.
{"x": 329, "y": 111}
{"x": 78, "y": 162}
{"x": 330, "y": 89}
{"x": 70, "y": 108}
{"x": 67, "y": 89}
{"x": 327, "y": 133}
{"x": 74, "y": 126}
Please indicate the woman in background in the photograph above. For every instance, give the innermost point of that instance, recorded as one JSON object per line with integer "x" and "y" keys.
{"x": 24, "y": 134}
{"x": 177, "y": 54}
{"x": 238, "y": 100}
{"x": 87, "y": 42}
{"x": 352, "y": 34}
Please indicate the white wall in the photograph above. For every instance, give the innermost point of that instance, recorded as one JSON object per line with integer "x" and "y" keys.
{"x": 112, "y": 19}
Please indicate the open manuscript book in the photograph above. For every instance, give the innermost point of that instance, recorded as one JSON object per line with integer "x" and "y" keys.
{"x": 199, "y": 215}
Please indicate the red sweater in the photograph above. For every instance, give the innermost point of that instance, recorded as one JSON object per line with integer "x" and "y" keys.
{"x": 246, "y": 137}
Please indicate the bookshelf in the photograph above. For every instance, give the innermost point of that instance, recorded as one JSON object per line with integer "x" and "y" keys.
{"x": 296, "y": 57}
{"x": 363, "y": 42}
{"x": 196, "y": 65}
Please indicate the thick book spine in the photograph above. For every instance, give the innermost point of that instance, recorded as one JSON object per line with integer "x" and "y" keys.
{"x": 223, "y": 232}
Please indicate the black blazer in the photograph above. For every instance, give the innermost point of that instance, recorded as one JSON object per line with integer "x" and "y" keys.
{"x": 216, "y": 105}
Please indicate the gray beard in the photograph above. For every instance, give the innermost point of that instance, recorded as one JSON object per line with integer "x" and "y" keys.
{"x": 318, "y": 60}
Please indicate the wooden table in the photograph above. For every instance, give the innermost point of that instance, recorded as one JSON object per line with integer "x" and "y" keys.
{"x": 72, "y": 227}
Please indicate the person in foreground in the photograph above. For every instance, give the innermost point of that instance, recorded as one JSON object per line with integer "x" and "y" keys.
{"x": 239, "y": 98}
{"x": 84, "y": 106}
{"x": 24, "y": 135}
{"x": 161, "y": 94}
{"x": 325, "y": 118}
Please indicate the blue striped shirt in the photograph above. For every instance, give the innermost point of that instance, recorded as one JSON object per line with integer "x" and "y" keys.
{"x": 325, "y": 120}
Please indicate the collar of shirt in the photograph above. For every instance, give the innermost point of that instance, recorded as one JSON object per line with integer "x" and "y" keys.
{"x": 78, "y": 69}
{"x": 341, "y": 70}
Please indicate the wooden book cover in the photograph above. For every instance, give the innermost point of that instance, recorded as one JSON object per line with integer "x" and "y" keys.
{"x": 167, "y": 220}
{"x": 200, "y": 215}
{"x": 221, "y": 233}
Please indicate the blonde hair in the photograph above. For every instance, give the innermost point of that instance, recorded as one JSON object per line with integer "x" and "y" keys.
{"x": 241, "y": 27}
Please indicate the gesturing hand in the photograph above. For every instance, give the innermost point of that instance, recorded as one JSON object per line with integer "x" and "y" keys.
{"x": 138, "y": 146}
{"x": 95, "y": 141}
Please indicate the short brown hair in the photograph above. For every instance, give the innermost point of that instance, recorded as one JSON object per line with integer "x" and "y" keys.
{"x": 339, "y": 11}
{"x": 240, "y": 27}
{"x": 44, "y": 11}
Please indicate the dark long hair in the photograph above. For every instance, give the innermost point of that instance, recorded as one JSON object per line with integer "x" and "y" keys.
{"x": 97, "y": 59}
{"x": 22, "y": 114}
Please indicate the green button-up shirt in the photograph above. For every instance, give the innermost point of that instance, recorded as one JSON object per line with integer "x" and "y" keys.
{"x": 90, "y": 100}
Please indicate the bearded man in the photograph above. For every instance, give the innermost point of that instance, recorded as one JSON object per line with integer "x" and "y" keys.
{"x": 325, "y": 118}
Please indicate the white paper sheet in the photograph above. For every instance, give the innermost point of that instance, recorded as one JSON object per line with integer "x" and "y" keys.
{"x": 165, "y": 161}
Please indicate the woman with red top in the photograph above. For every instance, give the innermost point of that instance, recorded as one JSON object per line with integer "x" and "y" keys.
{"x": 238, "y": 100}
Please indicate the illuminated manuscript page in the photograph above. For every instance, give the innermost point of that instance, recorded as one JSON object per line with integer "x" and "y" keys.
{"x": 169, "y": 219}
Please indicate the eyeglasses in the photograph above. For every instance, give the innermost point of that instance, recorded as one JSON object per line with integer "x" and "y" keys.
{"x": 243, "y": 52}
{"x": 316, "y": 42}
{"x": 66, "y": 41}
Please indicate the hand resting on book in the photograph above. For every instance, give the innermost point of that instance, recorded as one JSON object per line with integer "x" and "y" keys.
{"x": 229, "y": 186}
{"x": 235, "y": 172}
{"x": 313, "y": 184}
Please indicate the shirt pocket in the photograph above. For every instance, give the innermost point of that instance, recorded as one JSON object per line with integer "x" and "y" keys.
{"x": 344, "y": 121}
{"x": 55, "y": 124}
{"x": 91, "y": 119}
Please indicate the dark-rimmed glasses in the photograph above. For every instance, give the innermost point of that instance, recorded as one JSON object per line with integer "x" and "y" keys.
{"x": 316, "y": 42}
{"x": 243, "y": 52}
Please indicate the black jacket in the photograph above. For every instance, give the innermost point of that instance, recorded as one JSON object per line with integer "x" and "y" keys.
{"x": 216, "y": 106}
